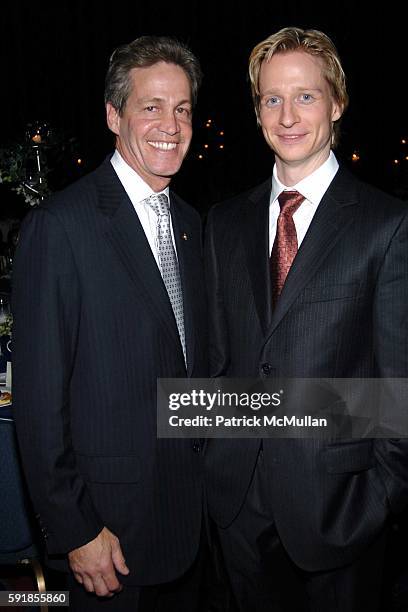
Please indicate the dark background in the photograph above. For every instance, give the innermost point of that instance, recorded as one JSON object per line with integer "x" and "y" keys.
{"x": 53, "y": 61}
{"x": 54, "y": 58}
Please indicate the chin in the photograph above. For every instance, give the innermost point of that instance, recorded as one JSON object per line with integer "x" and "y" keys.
{"x": 168, "y": 171}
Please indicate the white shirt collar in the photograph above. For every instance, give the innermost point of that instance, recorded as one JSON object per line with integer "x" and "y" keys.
{"x": 136, "y": 188}
{"x": 314, "y": 186}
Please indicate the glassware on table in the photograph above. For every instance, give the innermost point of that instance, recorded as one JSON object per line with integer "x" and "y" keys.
{"x": 5, "y": 341}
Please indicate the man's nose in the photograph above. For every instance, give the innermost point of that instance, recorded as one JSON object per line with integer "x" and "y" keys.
{"x": 289, "y": 115}
{"x": 169, "y": 123}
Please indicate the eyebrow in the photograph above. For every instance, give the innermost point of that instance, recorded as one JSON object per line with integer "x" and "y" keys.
{"x": 187, "y": 101}
{"x": 159, "y": 100}
{"x": 274, "y": 91}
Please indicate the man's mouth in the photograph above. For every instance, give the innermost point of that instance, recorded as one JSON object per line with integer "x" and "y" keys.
{"x": 163, "y": 146}
{"x": 291, "y": 137}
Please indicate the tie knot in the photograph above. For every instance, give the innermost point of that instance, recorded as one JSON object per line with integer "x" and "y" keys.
{"x": 289, "y": 202}
{"x": 160, "y": 203}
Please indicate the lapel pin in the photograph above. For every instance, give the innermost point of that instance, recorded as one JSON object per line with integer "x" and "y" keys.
{"x": 184, "y": 236}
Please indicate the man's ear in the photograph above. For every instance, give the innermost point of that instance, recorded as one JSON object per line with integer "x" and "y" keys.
{"x": 337, "y": 111}
{"x": 112, "y": 118}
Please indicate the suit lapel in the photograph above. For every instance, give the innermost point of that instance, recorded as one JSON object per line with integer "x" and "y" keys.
{"x": 329, "y": 224}
{"x": 183, "y": 234}
{"x": 255, "y": 230}
{"x": 126, "y": 236}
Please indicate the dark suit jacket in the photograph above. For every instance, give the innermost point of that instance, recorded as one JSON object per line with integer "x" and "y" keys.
{"x": 343, "y": 313}
{"x": 93, "y": 330}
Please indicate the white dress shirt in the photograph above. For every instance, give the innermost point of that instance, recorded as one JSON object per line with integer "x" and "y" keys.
{"x": 138, "y": 191}
{"x": 313, "y": 188}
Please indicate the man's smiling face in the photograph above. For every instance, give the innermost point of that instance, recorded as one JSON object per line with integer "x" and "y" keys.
{"x": 154, "y": 130}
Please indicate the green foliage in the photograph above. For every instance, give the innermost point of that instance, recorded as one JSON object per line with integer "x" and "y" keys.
{"x": 27, "y": 164}
{"x": 6, "y": 326}
{"x": 14, "y": 162}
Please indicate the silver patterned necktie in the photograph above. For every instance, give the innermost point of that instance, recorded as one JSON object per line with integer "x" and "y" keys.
{"x": 168, "y": 261}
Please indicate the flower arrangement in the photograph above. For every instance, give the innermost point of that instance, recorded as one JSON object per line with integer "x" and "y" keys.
{"x": 27, "y": 163}
{"x": 23, "y": 164}
{"x": 12, "y": 171}
{"x": 6, "y": 325}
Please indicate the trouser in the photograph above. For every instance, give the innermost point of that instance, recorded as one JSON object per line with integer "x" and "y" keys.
{"x": 264, "y": 578}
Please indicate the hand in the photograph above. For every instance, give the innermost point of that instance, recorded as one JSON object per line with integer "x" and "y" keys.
{"x": 94, "y": 564}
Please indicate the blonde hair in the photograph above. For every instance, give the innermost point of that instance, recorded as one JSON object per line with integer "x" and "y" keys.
{"x": 313, "y": 42}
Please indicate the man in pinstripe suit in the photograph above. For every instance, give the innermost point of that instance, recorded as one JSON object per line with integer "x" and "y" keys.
{"x": 302, "y": 522}
{"x": 95, "y": 326}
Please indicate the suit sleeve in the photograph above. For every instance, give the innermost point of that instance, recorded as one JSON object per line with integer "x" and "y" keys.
{"x": 218, "y": 329}
{"x": 391, "y": 354}
{"x": 46, "y": 311}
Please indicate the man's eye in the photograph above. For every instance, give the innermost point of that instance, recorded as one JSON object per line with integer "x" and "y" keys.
{"x": 151, "y": 108}
{"x": 306, "y": 98}
{"x": 181, "y": 110}
{"x": 272, "y": 101}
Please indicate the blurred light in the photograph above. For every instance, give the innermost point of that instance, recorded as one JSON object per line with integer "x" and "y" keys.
{"x": 207, "y": 125}
{"x": 221, "y": 133}
{"x": 406, "y": 158}
{"x": 403, "y": 141}
{"x": 396, "y": 161}
{"x": 355, "y": 157}
{"x": 209, "y": 120}
{"x": 221, "y": 146}
{"x": 38, "y": 132}
{"x": 79, "y": 161}
{"x": 200, "y": 157}
{"x": 206, "y": 146}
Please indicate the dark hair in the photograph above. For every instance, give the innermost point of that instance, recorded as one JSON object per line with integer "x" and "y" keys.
{"x": 143, "y": 52}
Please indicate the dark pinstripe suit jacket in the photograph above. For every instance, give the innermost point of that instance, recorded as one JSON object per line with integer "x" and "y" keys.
{"x": 93, "y": 330}
{"x": 343, "y": 312}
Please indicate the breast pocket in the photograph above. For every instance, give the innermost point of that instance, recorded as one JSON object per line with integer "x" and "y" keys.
{"x": 328, "y": 293}
{"x": 349, "y": 457}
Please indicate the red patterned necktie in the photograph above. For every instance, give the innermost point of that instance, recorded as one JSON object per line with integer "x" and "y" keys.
{"x": 285, "y": 245}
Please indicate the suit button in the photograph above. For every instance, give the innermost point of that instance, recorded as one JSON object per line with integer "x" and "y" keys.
{"x": 266, "y": 369}
{"x": 196, "y": 447}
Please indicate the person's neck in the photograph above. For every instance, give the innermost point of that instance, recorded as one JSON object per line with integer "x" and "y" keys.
{"x": 156, "y": 182}
{"x": 293, "y": 173}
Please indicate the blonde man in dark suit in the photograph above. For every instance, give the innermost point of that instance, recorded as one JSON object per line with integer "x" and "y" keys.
{"x": 308, "y": 278}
